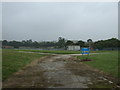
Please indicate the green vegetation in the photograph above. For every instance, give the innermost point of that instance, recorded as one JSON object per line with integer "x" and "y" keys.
{"x": 60, "y": 52}
{"x": 0, "y": 64}
{"x": 107, "y": 62}
{"x": 12, "y": 61}
{"x": 53, "y": 52}
{"x": 109, "y": 44}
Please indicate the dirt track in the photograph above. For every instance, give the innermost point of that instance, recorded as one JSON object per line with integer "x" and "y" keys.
{"x": 57, "y": 71}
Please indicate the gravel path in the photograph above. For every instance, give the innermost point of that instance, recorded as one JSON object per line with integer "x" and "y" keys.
{"x": 59, "y": 75}
{"x": 55, "y": 71}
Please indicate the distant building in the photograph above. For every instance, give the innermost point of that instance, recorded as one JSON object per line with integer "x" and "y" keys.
{"x": 73, "y": 47}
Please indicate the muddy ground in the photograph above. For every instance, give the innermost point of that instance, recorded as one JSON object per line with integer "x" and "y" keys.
{"x": 59, "y": 71}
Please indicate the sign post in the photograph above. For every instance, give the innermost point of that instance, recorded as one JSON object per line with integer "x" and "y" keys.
{"x": 85, "y": 51}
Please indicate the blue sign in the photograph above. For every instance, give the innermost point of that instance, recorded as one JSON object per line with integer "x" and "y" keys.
{"x": 85, "y": 51}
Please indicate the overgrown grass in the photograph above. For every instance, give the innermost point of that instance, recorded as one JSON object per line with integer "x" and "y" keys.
{"x": 12, "y": 61}
{"x": 107, "y": 62}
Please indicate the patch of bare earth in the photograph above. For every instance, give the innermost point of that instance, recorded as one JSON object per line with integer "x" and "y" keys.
{"x": 31, "y": 76}
{"x": 58, "y": 71}
{"x": 97, "y": 78}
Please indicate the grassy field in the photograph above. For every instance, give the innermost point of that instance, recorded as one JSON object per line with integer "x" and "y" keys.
{"x": 107, "y": 62}
{"x": 53, "y": 52}
{"x": 12, "y": 61}
{"x": 60, "y": 52}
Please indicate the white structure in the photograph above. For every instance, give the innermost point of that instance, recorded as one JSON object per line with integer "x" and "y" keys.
{"x": 73, "y": 47}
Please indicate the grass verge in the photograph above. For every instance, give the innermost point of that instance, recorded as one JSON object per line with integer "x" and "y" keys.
{"x": 107, "y": 62}
{"x": 53, "y": 51}
{"x": 60, "y": 51}
{"x": 12, "y": 61}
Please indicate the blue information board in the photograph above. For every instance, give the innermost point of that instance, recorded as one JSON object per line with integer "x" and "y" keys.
{"x": 85, "y": 51}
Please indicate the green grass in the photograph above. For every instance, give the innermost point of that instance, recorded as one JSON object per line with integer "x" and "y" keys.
{"x": 60, "y": 52}
{"x": 54, "y": 51}
{"x": 107, "y": 62}
{"x": 0, "y": 64}
{"x": 12, "y": 61}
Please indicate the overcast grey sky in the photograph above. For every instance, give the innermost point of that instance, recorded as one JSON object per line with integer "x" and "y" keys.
{"x": 47, "y": 21}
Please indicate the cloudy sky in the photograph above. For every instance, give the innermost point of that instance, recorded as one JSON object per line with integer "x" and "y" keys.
{"x": 49, "y": 20}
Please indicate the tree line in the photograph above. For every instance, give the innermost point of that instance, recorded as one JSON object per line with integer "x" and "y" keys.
{"x": 62, "y": 43}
